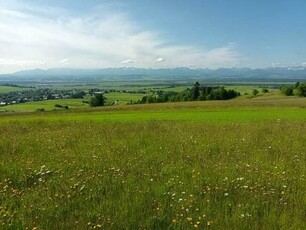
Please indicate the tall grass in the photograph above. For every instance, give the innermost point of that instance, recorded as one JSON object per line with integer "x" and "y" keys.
{"x": 153, "y": 174}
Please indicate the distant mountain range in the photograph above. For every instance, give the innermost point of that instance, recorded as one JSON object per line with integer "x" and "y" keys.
{"x": 171, "y": 73}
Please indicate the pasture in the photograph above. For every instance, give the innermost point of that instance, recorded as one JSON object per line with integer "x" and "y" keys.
{"x": 7, "y": 89}
{"x": 49, "y": 105}
{"x": 237, "y": 164}
{"x": 123, "y": 98}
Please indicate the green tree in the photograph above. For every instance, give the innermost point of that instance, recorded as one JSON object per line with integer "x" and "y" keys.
{"x": 97, "y": 100}
{"x": 203, "y": 94}
{"x": 265, "y": 90}
{"x": 287, "y": 90}
{"x": 78, "y": 94}
{"x": 255, "y": 92}
{"x": 196, "y": 91}
{"x": 301, "y": 90}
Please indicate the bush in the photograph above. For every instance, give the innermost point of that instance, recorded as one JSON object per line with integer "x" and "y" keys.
{"x": 255, "y": 92}
{"x": 265, "y": 90}
{"x": 61, "y": 106}
{"x": 301, "y": 90}
{"x": 287, "y": 90}
{"x": 97, "y": 100}
{"x": 79, "y": 94}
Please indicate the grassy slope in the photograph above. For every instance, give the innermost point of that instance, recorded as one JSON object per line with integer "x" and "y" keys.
{"x": 124, "y": 98}
{"x": 235, "y": 164}
{"x": 240, "y": 109}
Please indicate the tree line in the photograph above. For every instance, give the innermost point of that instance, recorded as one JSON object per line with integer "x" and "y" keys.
{"x": 196, "y": 93}
{"x": 299, "y": 88}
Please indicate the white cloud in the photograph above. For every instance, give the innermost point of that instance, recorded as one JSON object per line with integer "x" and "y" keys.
{"x": 127, "y": 61}
{"x": 275, "y": 64}
{"x": 11, "y": 13}
{"x": 64, "y": 61}
{"x": 159, "y": 59}
{"x": 304, "y": 64}
{"x": 16, "y": 62}
{"x": 98, "y": 40}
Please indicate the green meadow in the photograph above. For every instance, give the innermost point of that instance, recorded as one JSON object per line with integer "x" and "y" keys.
{"x": 7, "y": 89}
{"x": 123, "y": 98}
{"x": 49, "y": 105}
{"x": 237, "y": 164}
{"x": 247, "y": 90}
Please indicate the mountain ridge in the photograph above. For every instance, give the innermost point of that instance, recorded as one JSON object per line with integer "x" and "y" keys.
{"x": 270, "y": 72}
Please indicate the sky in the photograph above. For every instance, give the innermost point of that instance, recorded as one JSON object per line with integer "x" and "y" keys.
{"x": 151, "y": 34}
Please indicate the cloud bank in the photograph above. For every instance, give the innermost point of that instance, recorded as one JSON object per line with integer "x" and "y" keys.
{"x": 35, "y": 37}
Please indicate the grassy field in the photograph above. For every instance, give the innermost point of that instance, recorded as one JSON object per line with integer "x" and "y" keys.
{"x": 123, "y": 98}
{"x": 7, "y": 89}
{"x": 237, "y": 164}
{"x": 49, "y": 105}
{"x": 247, "y": 90}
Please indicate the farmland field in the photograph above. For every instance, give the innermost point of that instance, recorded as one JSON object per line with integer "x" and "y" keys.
{"x": 7, "y": 89}
{"x": 123, "y": 98}
{"x": 49, "y": 105}
{"x": 235, "y": 164}
{"x": 248, "y": 89}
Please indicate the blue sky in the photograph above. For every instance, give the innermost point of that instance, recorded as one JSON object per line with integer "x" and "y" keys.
{"x": 151, "y": 34}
